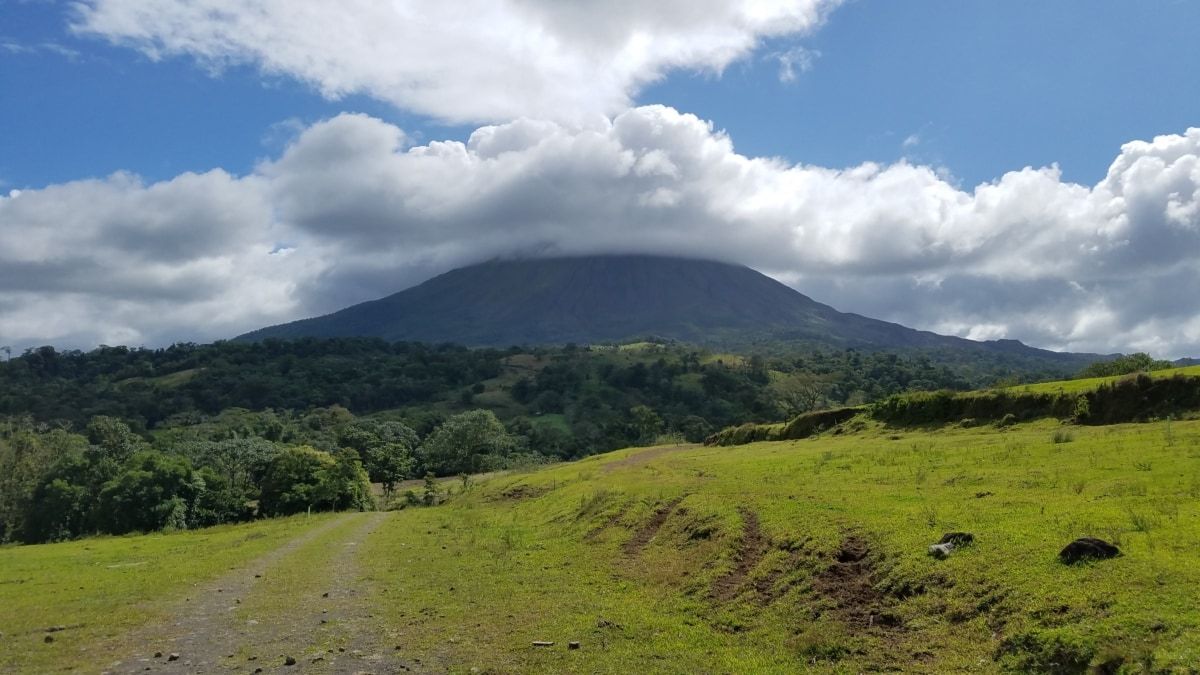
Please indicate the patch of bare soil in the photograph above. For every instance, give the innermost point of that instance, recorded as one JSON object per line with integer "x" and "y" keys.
{"x": 522, "y": 491}
{"x": 750, "y": 551}
{"x": 636, "y": 459}
{"x": 848, "y": 582}
{"x": 651, "y": 527}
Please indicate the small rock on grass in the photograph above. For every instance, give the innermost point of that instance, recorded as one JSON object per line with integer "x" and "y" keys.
{"x": 542, "y": 643}
{"x": 48, "y": 639}
{"x": 1086, "y": 548}
{"x": 289, "y": 661}
{"x": 573, "y": 645}
{"x": 173, "y": 657}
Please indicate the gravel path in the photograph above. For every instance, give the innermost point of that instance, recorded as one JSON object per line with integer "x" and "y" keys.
{"x": 206, "y": 634}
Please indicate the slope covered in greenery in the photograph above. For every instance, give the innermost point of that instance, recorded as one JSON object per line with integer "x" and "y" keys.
{"x": 771, "y": 557}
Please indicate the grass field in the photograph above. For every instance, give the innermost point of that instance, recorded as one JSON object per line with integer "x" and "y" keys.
{"x": 1092, "y": 383}
{"x": 769, "y": 557}
{"x": 98, "y": 589}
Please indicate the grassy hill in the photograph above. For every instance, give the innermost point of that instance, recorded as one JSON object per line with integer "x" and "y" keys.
{"x": 768, "y": 557}
{"x": 611, "y": 298}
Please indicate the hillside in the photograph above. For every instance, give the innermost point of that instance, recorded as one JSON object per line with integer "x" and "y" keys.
{"x": 619, "y": 297}
{"x": 773, "y": 557}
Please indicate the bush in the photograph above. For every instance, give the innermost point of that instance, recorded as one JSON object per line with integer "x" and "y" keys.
{"x": 155, "y": 491}
{"x": 304, "y": 478}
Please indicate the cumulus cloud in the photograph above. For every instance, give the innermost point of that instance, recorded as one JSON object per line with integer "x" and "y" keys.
{"x": 352, "y": 210}
{"x": 462, "y": 61}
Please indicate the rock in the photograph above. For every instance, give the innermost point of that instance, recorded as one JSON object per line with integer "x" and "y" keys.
{"x": 940, "y": 551}
{"x": 48, "y": 639}
{"x": 949, "y": 542}
{"x": 959, "y": 539}
{"x": 289, "y": 661}
{"x": 573, "y": 645}
{"x": 325, "y": 594}
{"x": 55, "y": 629}
{"x": 158, "y": 655}
{"x": 257, "y": 670}
{"x": 1086, "y": 548}
{"x": 173, "y": 657}
{"x": 542, "y": 643}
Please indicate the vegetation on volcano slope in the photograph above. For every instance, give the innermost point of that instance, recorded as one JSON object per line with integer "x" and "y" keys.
{"x": 774, "y": 557}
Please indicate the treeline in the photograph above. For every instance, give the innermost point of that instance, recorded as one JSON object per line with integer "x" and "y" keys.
{"x": 1135, "y": 398}
{"x": 562, "y": 402}
{"x": 55, "y": 484}
{"x": 1125, "y": 364}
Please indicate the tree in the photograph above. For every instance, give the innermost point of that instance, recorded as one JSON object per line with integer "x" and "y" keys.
{"x": 646, "y": 423}
{"x": 153, "y": 492}
{"x": 468, "y": 442}
{"x": 797, "y": 394}
{"x": 112, "y": 439}
{"x": 345, "y": 485}
{"x": 303, "y": 478}
{"x": 387, "y": 449}
{"x": 25, "y": 457}
{"x": 292, "y": 483}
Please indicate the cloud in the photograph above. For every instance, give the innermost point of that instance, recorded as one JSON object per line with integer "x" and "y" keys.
{"x": 795, "y": 61}
{"x": 463, "y": 61}
{"x": 352, "y": 210}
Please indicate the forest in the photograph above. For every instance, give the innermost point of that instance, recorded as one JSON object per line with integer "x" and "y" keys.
{"x": 119, "y": 440}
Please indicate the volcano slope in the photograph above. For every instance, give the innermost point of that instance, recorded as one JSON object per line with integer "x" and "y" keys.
{"x": 771, "y": 557}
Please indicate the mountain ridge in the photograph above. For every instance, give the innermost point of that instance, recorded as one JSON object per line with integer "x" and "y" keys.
{"x": 614, "y": 298}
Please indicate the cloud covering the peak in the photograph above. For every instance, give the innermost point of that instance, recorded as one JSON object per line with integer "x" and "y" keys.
{"x": 462, "y": 61}
{"x": 352, "y": 210}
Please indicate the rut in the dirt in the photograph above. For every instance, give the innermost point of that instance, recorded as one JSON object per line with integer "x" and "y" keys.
{"x": 647, "y": 531}
{"x": 849, "y": 583}
{"x": 751, "y": 549}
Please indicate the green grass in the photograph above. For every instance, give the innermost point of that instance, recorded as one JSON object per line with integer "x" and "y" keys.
{"x": 100, "y": 588}
{"x": 545, "y": 555}
{"x": 496, "y": 574}
{"x": 1093, "y": 383}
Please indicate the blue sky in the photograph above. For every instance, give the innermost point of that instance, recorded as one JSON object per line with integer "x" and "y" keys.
{"x": 191, "y": 170}
{"x": 979, "y": 88}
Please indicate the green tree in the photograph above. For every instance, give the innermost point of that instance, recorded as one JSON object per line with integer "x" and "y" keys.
{"x": 468, "y": 442}
{"x": 646, "y": 423}
{"x": 293, "y": 481}
{"x": 303, "y": 478}
{"x": 154, "y": 491}
{"x": 387, "y": 449}
{"x": 345, "y": 485}
{"x": 26, "y": 456}
{"x": 112, "y": 439}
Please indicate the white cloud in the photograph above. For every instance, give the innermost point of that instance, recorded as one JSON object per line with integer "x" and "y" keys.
{"x": 354, "y": 211}
{"x": 795, "y": 61}
{"x": 462, "y": 61}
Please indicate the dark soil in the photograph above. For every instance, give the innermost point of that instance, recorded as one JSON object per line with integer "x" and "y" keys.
{"x": 751, "y": 549}
{"x": 647, "y": 531}
{"x": 848, "y": 582}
